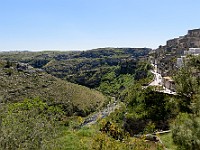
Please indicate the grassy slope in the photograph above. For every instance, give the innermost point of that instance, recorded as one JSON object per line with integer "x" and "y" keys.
{"x": 90, "y": 139}
{"x": 16, "y": 85}
{"x": 168, "y": 141}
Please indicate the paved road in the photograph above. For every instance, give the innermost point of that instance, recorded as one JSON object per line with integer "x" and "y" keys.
{"x": 158, "y": 81}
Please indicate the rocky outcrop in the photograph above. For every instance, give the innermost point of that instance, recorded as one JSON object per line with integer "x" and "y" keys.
{"x": 27, "y": 68}
{"x": 175, "y": 48}
{"x": 190, "y": 40}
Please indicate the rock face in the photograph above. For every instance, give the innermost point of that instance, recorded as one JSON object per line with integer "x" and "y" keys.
{"x": 190, "y": 40}
{"x": 194, "y": 33}
{"x": 175, "y": 48}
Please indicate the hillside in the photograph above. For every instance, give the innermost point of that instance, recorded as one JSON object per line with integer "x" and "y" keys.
{"x": 83, "y": 67}
{"x": 87, "y": 68}
{"x": 124, "y": 74}
{"x": 19, "y": 81}
{"x": 190, "y": 40}
{"x": 167, "y": 55}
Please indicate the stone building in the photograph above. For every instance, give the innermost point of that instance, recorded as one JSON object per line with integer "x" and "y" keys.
{"x": 168, "y": 83}
{"x": 192, "y": 51}
{"x": 191, "y": 39}
{"x": 179, "y": 62}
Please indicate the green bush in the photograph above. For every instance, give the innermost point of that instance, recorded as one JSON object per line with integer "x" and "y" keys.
{"x": 30, "y": 124}
{"x": 186, "y": 132}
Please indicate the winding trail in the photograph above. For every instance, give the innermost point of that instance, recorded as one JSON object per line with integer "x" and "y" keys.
{"x": 158, "y": 81}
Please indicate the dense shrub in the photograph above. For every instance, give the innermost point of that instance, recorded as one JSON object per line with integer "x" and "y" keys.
{"x": 30, "y": 124}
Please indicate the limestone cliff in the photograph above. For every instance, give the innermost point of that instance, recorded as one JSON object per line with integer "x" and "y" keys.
{"x": 190, "y": 40}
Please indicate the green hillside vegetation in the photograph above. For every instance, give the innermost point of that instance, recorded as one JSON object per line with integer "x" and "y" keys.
{"x": 148, "y": 110}
{"x": 109, "y": 70}
{"x": 186, "y": 127}
{"x": 117, "y": 81}
{"x": 35, "y": 59}
{"x": 48, "y": 107}
{"x": 20, "y": 81}
{"x": 35, "y": 120}
{"x": 33, "y": 124}
{"x": 87, "y": 68}
{"x": 81, "y": 67}
{"x": 118, "y": 73}
{"x": 29, "y": 124}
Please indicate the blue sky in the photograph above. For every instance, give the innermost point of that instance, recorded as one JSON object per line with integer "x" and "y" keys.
{"x": 87, "y": 24}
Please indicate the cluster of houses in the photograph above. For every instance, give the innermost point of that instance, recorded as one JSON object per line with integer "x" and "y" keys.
{"x": 182, "y": 46}
{"x": 191, "y": 51}
{"x": 167, "y": 81}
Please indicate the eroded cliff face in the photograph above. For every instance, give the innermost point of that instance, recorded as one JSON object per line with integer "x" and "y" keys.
{"x": 190, "y": 40}
{"x": 167, "y": 55}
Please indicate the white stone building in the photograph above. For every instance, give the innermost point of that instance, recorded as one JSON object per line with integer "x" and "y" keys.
{"x": 192, "y": 51}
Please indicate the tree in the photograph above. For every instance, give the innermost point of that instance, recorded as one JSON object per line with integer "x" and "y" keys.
{"x": 186, "y": 86}
{"x": 186, "y": 132}
{"x": 148, "y": 107}
{"x": 186, "y": 127}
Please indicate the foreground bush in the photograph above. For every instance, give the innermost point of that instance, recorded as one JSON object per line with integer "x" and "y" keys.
{"x": 30, "y": 124}
{"x": 186, "y": 132}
